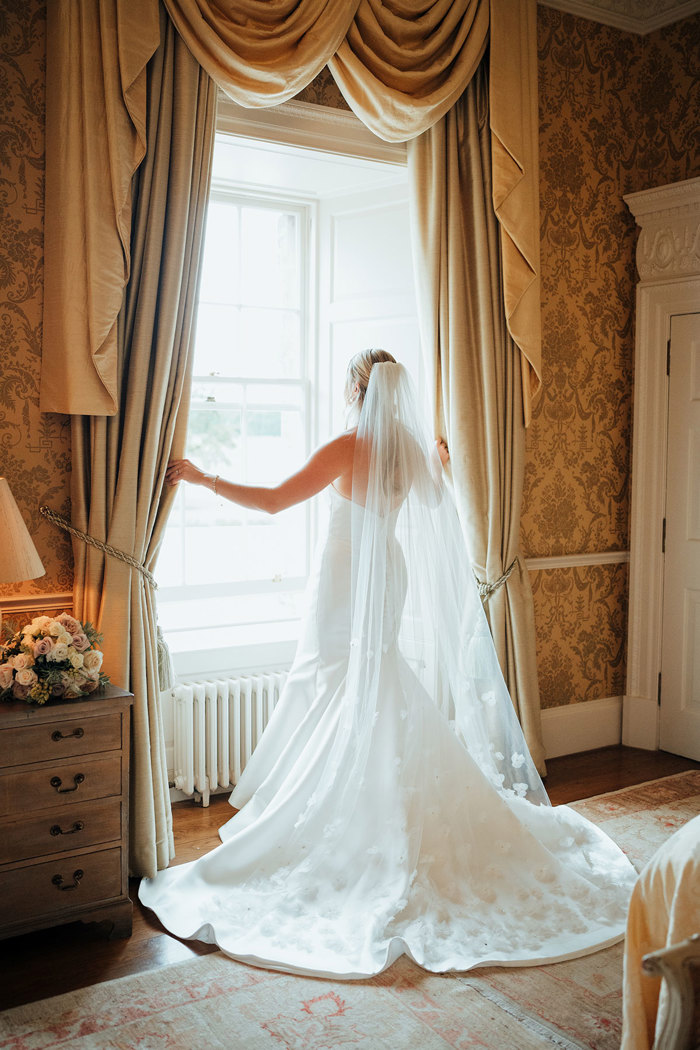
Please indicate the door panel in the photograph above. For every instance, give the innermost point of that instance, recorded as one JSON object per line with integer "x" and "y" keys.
{"x": 680, "y": 656}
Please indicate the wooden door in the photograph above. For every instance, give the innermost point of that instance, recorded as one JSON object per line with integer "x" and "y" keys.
{"x": 680, "y": 656}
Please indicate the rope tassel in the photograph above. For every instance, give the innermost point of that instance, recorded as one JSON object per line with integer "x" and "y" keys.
{"x": 487, "y": 589}
{"x": 62, "y": 523}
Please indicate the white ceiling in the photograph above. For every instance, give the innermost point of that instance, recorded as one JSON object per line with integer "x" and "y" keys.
{"x": 636, "y": 16}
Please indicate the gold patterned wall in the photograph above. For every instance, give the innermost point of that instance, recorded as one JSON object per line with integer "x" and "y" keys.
{"x": 618, "y": 112}
{"x": 34, "y": 448}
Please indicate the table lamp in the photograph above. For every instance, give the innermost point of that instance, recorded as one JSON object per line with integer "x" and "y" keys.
{"x": 18, "y": 557}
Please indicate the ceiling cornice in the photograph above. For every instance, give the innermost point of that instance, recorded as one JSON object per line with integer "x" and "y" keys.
{"x": 635, "y": 16}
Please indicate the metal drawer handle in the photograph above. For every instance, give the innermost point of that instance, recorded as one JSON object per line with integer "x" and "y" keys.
{"x": 77, "y": 779}
{"x": 58, "y": 830}
{"x": 77, "y": 733}
{"x": 57, "y": 880}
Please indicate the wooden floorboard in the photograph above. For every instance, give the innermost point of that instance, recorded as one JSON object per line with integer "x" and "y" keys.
{"x": 50, "y": 962}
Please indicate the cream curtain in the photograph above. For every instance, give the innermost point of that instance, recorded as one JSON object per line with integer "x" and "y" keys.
{"x": 476, "y": 372}
{"x": 119, "y": 461}
{"x": 95, "y": 140}
{"x": 400, "y": 70}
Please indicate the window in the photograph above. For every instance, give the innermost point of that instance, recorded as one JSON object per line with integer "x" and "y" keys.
{"x": 286, "y": 296}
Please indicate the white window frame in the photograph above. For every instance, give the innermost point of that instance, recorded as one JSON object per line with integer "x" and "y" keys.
{"x": 320, "y": 128}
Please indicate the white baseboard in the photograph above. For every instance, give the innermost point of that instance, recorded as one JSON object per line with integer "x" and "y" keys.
{"x": 640, "y": 722}
{"x": 582, "y": 727}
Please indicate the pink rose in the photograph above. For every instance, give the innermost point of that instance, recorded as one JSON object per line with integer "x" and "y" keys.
{"x": 57, "y": 689}
{"x": 81, "y": 642}
{"x": 21, "y": 692}
{"x": 88, "y": 685}
{"x": 70, "y": 623}
{"x": 6, "y": 675}
{"x": 42, "y": 646}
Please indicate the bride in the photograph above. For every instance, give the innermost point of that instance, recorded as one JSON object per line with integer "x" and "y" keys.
{"x": 391, "y": 806}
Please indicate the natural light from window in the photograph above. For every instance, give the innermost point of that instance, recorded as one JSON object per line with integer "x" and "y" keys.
{"x": 282, "y": 302}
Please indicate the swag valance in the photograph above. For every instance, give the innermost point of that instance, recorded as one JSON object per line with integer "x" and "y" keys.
{"x": 400, "y": 64}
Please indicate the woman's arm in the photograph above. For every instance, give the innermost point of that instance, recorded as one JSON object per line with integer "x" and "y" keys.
{"x": 326, "y": 464}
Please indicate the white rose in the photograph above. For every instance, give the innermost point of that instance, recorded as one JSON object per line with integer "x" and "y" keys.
{"x": 65, "y": 639}
{"x": 76, "y": 659}
{"x": 26, "y": 677}
{"x": 6, "y": 674}
{"x": 92, "y": 660}
{"x": 21, "y": 660}
{"x": 58, "y": 653}
{"x": 41, "y": 622}
{"x": 55, "y": 628}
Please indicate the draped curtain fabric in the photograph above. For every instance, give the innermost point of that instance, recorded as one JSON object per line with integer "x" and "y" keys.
{"x": 400, "y": 65}
{"x": 476, "y": 376}
{"x": 97, "y": 53}
{"x": 119, "y": 461}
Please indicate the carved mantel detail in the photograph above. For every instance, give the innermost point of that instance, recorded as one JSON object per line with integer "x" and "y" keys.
{"x": 669, "y": 238}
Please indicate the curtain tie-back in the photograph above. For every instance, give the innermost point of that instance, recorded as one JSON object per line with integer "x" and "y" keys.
{"x": 487, "y": 589}
{"x": 63, "y": 523}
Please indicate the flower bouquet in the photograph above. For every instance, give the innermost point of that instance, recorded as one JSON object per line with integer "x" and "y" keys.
{"x": 51, "y": 658}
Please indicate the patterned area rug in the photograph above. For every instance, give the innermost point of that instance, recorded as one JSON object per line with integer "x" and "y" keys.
{"x": 215, "y": 1002}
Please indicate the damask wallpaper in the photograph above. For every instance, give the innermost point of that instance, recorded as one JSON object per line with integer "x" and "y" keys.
{"x": 34, "y": 448}
{"x": 618, "y": 112}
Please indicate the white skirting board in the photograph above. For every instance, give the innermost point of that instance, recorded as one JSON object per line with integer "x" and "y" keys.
{"x": 582, "y": 727}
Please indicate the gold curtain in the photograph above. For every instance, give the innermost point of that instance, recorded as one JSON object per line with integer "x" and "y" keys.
{"x": 399, "y": 69}
{"x": 119, "y": 461}
{"x": 476, "y": 373}
{"x": 95, "y": 140}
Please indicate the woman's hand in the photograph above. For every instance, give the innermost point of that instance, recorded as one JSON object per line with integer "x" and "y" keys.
{"x": 442, "y": 451}
{"x": 184, "y": 470}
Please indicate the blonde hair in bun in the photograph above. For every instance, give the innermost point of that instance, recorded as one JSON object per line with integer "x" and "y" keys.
{"x": 358, "y": 372}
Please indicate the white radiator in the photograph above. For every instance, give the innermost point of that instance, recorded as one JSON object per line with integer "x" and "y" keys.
{"x": 216, "y": 727}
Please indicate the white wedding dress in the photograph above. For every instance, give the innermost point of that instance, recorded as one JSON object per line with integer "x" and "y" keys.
{"x": 372, "y": 823}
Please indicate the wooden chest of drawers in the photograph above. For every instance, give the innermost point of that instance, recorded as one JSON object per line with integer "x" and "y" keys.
{"x": 64, "y": 812}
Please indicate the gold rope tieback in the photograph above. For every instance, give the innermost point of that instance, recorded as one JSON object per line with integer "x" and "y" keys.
{"x": 63, "y": 523}
{"x": 487, "y": 589}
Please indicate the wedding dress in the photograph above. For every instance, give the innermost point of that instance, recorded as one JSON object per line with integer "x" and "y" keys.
{"x": 377, "y": 816}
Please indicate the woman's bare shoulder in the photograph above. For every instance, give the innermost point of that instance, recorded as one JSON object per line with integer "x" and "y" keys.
{"x": 343, "y": 444}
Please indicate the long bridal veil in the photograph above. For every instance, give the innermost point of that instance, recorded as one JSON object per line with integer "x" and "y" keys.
{"x": 412, "y": 577}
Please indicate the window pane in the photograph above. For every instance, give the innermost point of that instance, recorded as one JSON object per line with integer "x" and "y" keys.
{"x": 270, "y": 252}
{"x": 270, "y": 457}
{"x": 170, "y": 570}
{"x": 247, "y": 342}
{"x": 253, "y": 548}
{"x": 220, "y": 278}
{"x": 218, "y": 392}
{"x": 214, "y": 440}
{"x": 217, "y": 340}
{"x": 270, "y": 343}
{"x": 230, "y": 612}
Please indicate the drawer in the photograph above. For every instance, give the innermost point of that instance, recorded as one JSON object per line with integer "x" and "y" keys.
{"x": 60, "y": 784}
{"x": 56, "y": 831}
{"x": 59, "y": 886}
{"x": 61, "y": 738}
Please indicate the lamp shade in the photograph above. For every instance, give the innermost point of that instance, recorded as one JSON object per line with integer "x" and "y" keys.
{"x": 18, "y": 557}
